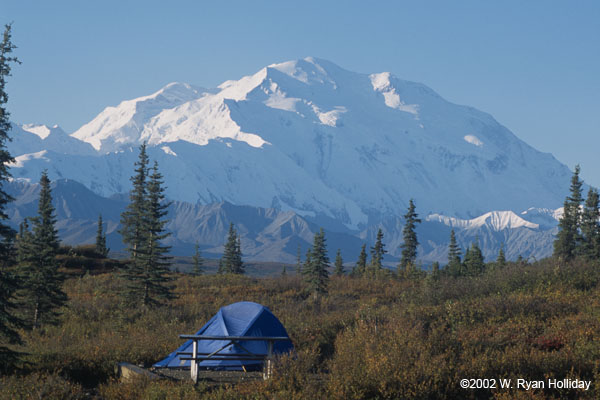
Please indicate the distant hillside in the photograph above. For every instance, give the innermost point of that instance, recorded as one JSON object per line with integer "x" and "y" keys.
{"x": 269, "y": 234}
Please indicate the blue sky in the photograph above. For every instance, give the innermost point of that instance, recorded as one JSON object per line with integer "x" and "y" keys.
{"x": 533, "y": 65}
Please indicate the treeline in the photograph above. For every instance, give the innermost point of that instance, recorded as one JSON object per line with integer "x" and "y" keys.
{"x": 316, "y": 265}
{"x": 578, "y": 236}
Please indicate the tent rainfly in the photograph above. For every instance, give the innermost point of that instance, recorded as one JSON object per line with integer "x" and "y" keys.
{"x": 238, "y": 319}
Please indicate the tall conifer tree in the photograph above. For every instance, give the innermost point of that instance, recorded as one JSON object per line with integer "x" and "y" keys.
{"x": 8, "y": 280}
{"x": 378, "y": 251}
{"x": 133, "y": 229}
{"x": 231, "y": 262}
{"x": 361, "y": 263}
{"x": 435, "y": 271}
{"x": 42, "y": 293}
{"x": 315, "y": 273}
{"x": 147, "y": 271}
{"x": 228, "y": 258}
{"x": 409, "y": 235}
{"x": 101, "y": 238}
{"x": 9, "y": 322}
{"x": 198, "y": 261}
{"x": 569, "y": 238}
{"x": 501, "y": 260}
{"x": 239, "y": 264}
{"x": 474, "y": 264}
{"x": 339, "y": 264}
{"x": 590, "y": 228}
{"x": 454, "y": 263}
{"x": 307, "y": 260}
{"x": 7, "y": 234}
{"x": 155, "y": 258}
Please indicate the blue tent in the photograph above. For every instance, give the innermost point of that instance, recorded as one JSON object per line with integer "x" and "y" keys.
{"x": 238, "y": 319}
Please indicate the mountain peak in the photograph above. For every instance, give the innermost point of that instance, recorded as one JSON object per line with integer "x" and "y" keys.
{"x": 32, "y": 138}
{"x": 311, "y": 137}
{"x": 121, "y": 126}
{"x": 495, "y": 220}
{"x": 308, "y": 70}
{"x": 178, "y": 92}
{"x": 43, "y": 131}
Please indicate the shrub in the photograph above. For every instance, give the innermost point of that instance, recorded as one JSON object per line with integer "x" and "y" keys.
{"x": 39, "y": 386}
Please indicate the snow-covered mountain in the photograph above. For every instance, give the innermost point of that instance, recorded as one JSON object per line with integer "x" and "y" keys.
{"x": 310, "y": 137}
{"x": 495, "y": 220}
{"x": 119, "y": 127}
{"x": 529, "y": 234}
{"x": 31, "y": 139}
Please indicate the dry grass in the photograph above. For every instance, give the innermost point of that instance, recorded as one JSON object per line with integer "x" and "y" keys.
{"x": 381, "y": 338}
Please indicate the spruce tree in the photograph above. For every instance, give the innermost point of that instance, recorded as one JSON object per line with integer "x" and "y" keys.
{"x": 228, "y": 258}
{"x": 42, "y": 293}
{"x": 409, "y": 236}
{"x": 10, "y": 283}
{"x": 101, "y": 238}
{"x": 8, "y": 280}
{"x": 133, "y": 230}
{"x": 315, "y": 273}
{"x": 143, "y": 230}
{"x": 473, "y": 263}
{"x": 339, "y": 264}
{"x": 231, "y": 262}
{"x": 7, "y": 234}
{"x": 575, "y": 197}
{"x": 435, "y": 270}
{"x": 155, "y": 259}
{"x": 454, "y": 263}
{"x": 239, "y": 267}
{"x": 361, "y": 263}
{"x": 378, "y": 251}
{"x": 307, "y": 258}
{"x": 501, "y": 260}
{"x": 463, "y": 268}
{"x": 198, "y": 261}
{"x": 9, "y": 322}
{"x": 590, "y": 228}
{"x": 569, "y": 238}
{"x": 134, "y": 233}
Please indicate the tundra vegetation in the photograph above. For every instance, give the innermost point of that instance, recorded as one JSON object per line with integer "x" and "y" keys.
{"x": 69, "y": 315}
{"x": 366, "y": 338}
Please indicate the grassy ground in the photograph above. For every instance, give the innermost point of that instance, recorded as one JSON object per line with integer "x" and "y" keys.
{"x": 257, "y": 269}
{"x": 369, "y": 338}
